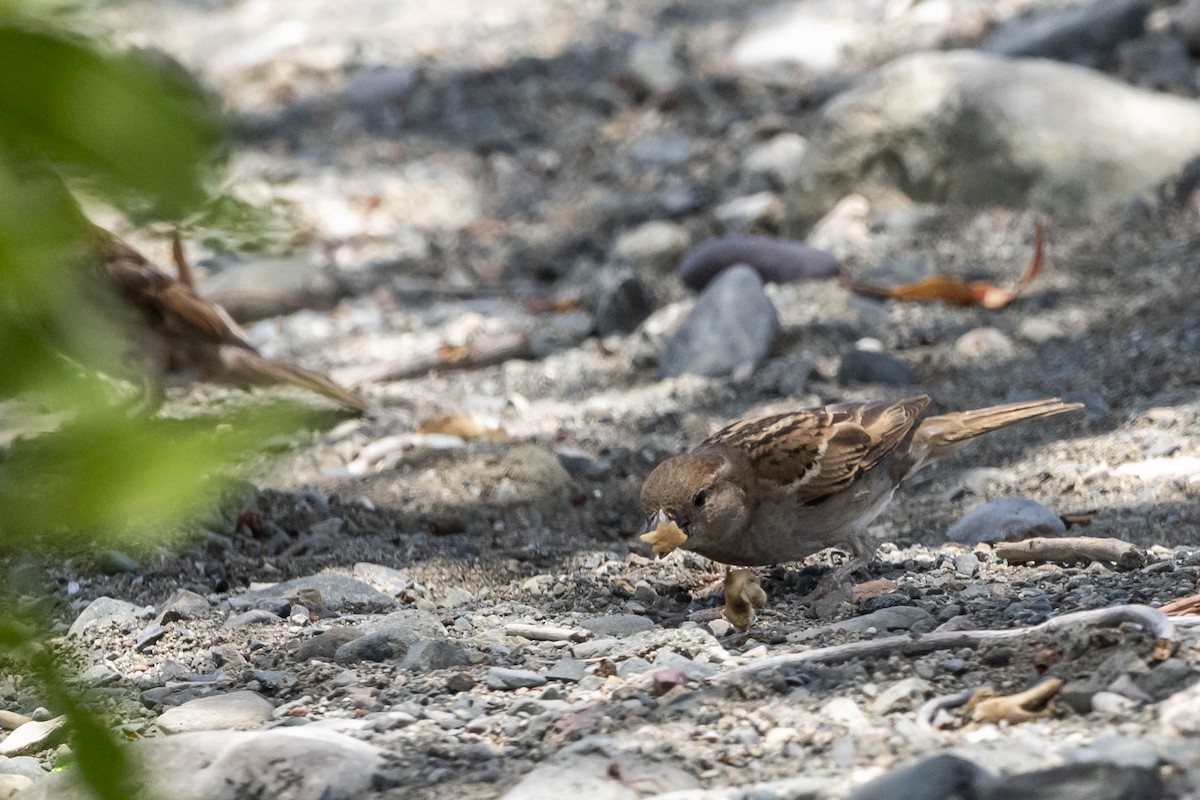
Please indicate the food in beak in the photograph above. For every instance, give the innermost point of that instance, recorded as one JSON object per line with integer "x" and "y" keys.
{"x": 665, "y": 535}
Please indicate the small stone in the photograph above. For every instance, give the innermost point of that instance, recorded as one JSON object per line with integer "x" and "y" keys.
{"x": 763, "y": 210}
{"x": 183, "y": 605}
{"x": 779, "y": 158}
{"x": 104, "y": 611}
{"x": 653, "y": 246}
{"x": 324, "y": 645}
{"x": 429, "y": 655}
{"x": 731, "y": 327}
{"x": 612, "y": 625}
{"x": 227, "y": 712}
{"x": 1167, "y": 678}
{"x": 536, "y": 469}
{"x": 33, "y": 736}
{"x": 720, "y": 627}
{"x": 633, "y": 666}
{"x": 1179, "y": 714}
{"x": 662, "y": 151}
{"x": 889, "y": 619}
{"x": 255, "y": 616}
{"x": 869, "y": 366}
{"x": 989, "y": 345}
{"x": 568, "y": 669}
{"x": 1038, "y": 330}
{"x": 1113, "y": 704}
{"x": 460, "y": 682}
{"x": 655, "y": 66}
{"x": 385, "y": 579}
{"x": 966, "y": 564}
{"x": 504, "y": 678}
{"x": 1006, "y": 519}
{"x": 1084, "y": 34}
{"x": 148, "y": 637}
{"x": 904, "y": 695}
{"x": 941, "y": 776}
{"x": 623, "y": 302}
{"x": 377, "y": 647}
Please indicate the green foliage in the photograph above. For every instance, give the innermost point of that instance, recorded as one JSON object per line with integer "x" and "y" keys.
{"x": 130, "y": 128}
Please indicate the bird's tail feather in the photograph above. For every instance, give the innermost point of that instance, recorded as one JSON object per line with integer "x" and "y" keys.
{"x": 249, "y": 367}
{"x": 943, "y": 435}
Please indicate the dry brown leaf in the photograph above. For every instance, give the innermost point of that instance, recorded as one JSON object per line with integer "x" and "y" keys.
{"x": 464, "y": 426}
{"x": 869, "y": 590}
{"x": 984, "y": 706}
{"x": 956, "y": 291}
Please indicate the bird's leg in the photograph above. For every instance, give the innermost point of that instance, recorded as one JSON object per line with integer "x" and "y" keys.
{"x": 862, "y": 553}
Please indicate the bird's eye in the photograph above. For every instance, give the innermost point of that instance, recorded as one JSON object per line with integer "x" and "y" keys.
{"x": 700, "y": 498}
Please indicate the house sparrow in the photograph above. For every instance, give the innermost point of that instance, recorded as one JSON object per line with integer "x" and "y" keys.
{"x": 175, "y": 331}
{"x": 780, "y": 488}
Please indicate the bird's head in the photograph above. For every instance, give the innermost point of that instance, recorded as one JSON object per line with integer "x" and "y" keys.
{"x": 695, "y": 500}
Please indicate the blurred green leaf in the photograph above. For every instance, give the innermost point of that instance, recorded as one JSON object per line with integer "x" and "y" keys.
{"x": 117, "y": 116}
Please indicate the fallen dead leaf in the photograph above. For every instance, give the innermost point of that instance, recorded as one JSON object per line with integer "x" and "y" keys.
{"x": 984, "y": 706}
{"x": 464, "y": 426}
{"x": 872, "y": 589}
{"x": 956, "y": 291}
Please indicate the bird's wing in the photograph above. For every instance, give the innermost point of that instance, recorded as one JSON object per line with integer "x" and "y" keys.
{"x": 821, "y": 451}
{"x": 165, "y": 302}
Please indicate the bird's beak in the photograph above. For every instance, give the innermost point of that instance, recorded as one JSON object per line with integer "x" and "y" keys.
{"x": 664, "y": 534}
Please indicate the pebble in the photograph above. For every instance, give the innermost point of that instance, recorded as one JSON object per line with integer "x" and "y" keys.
{"x": 339, "y": 593}
{"x": 599, "y": 768}
{"x": 1159, "y": 468}
{"x": 105, "y": 611}
{"x": 870, "y": 366}
{"x": 184, "y": 605}
{"x": 505, "y": 678}
{"x": 324, "y": 645}
{"x": 1006, "y": 519}
{"x": 234, "y": 711}
{"x": 1179, "y": 714}
{"x": 1038, "y": 330}
{"x": 655, "y": 66}
{"x": 903, "y": 695}
{"x": 779, "y": 158}
{"x": 934, "y": 778}
{"x": 731, "y": 328}
{"x": 385, "y": 579}
{"x": 617, "y": 626}
{"x": 33, "y": 736}
{"x": 255, "y": 616}
{"x": 568, "y": 669}
{"x": 655, "y": 246}
{"x": 894, "y": 618}
{"x": 306, "y": 763}
{"x": 623, "y": 302}
{"x": 1113, "y": 704}
{"x": 987, "y": 345}
{"x": 775, "y": 260}
{"x": 1086, "y": 34}
{"x": 536, "y": 470}
{"x": 762, "y": 210}
{"x": 1118, "y": 750}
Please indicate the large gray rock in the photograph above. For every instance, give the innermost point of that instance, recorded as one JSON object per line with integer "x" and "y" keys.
{"x": 732, "y": 326}
{"x": 286, "y": 764}
{"x": 1083, "y": 34}
{"x": 1006, "y": 519}
{"x": 233, "y": 712}
{"x": 338, "y": 593}
{"x": 983, "y": 130}
{"x": 601, "y": 769}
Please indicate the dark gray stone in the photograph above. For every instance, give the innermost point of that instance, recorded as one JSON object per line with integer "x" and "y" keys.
{"x": 428, "y": 655}
{"x": 1084, "y": 34}
{"x": 1006, "y": 519}
{"x": 184, "y": 604}
{"x": 255, "y": 616}
{"x": 387, "y": 645}
{"x": 732, "y": 326}
{"x": 504, "y": 678}
{"x": 324, "y": 645}
{"x": 938, "y": 778}
{"x": 1165, "y": 679}
{"x": 1076, "y": 782}
{"x": 339, "y": 593}
{"x": 870, "y": 366}
{"x": 622, "y": 303}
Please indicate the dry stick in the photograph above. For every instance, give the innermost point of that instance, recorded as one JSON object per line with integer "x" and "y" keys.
{"x": 502, "y": 347}
{"x": 1070, "y": 550}
{"x": 545, "y": 633}
{"x": 1158, "y": 622}
{"x": 928, "y": 711}
{"x": 181, "y": 263}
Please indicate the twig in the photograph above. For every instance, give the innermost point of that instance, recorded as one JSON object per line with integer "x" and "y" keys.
{"x": 545, "y": 633}
{"x": 500, "y": 348}
{"x": 1071, "y": 550}
{"x": 181, "y": 263}
{"x": 928, "y": 711}
{"x": 1158, "y": 623}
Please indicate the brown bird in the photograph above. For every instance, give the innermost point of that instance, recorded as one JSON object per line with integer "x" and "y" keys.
{"x": 175, "y": 331}
{"x": 780, "y": 488}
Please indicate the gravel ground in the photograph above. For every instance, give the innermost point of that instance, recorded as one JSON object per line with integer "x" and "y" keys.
{"x": 467, "y": 172}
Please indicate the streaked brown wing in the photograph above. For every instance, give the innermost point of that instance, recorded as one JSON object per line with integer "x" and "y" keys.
{"x": 161, "y": 299}
{"x": 822, "y": 451}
